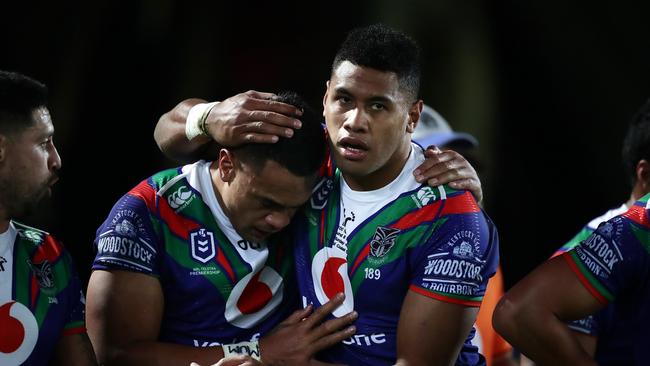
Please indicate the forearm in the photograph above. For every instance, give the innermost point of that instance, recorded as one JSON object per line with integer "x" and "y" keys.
{"x": 161, "y": 354}
{"x": 170, "y": 134}
{"x": 535, "y": 331}
{"x": 74, "y": 350}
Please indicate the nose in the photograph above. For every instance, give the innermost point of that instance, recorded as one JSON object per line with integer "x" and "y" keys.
{"x": 54, "y": 159}
{"x": 355, "y": 120}
{"x": 278, "y": 220}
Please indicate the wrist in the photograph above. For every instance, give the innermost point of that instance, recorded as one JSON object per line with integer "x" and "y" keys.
{"x": 196, "y": 120}
{"x": 251, "y": 349}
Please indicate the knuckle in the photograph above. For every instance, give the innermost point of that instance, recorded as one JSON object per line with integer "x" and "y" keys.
{"x": 449, "y": 165}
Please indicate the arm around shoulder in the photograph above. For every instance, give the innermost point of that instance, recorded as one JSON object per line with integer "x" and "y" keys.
{"x": 170, "y": 134}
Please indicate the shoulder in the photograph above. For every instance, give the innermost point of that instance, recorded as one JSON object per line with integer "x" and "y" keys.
{"x": 593, "y": 224}
{"x": 37, "y": 237}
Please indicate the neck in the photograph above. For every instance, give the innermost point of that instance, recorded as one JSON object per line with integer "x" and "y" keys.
{"x": 638, "y": 191}
{"x": 4, "y": 224}
{"x": 218, "y": 186}
{"x": 382, "y": 176}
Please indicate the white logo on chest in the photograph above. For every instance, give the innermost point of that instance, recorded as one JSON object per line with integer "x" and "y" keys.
{"x": 253, "y": 298}
{"x": 329, "y": 270}
{"x": 18, "y": 333}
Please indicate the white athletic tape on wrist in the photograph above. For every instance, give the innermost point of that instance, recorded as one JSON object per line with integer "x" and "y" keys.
{"x": 243, "y": 348}
{"x": 195, "y": 122}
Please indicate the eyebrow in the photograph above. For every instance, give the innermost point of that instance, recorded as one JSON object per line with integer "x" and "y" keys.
{"x": 276, "y": 203}
{"x": 374, "y": 98}
{"x": 47, "y": 133}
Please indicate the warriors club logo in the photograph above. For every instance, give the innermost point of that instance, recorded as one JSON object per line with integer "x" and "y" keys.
{"x": 329, "y": 271}
{"x": 43, "y": 273}
{"x": 383, "y": 241}
{"x": 253, "y": 298}
{"x": 18, "y": 333}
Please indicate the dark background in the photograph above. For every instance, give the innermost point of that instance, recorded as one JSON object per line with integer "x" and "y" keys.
{"x": 547, "y": 88}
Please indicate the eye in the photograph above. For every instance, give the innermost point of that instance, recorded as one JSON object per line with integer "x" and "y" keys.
{"x": 377, "y": 107}
{"x": 44, "y": 144}
{"x": 342, "y": 99}
{"x": 268, "y": 204}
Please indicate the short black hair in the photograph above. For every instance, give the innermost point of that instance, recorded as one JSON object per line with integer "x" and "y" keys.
{"x": 19, "y": 96}
{"x": 636, "y": 145}
{"x": 302, "y": 154}
{"x": 385, "y": 49}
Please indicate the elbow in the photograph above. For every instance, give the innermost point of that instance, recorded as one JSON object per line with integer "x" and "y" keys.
{"x": 504, "y": 318}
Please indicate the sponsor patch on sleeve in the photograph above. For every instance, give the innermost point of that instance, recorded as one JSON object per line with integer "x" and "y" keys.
{"x": 123, "y": 243}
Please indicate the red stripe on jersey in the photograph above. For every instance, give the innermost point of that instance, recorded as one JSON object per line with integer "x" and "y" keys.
{"x": 463, "y": 203}
{"x": 71, "y": 331}
{"x": 362, "y": 256}
{"x": 35, "y": 289}
{"x": 179, "y": 225}
{"x": 50, "y": 250}
{"x": 436, "y": 296}
{"x": 426, "y": 213}
{"x": 223, "y": 262}
{"x": 182, "y": 226}
{"x": 638, "y": 214}
{"x": 146, "y": 193}
{"x": 585, "y": 282}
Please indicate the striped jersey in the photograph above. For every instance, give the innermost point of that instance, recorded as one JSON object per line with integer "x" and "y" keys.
{"x": 589, "y": 228}
{"x": 591, "y": 324}
{"x": 218, "y": 287}
{"x": 614, "y": 265}
{"x": 375, "y": 246}
{"x": 40, "y": 296}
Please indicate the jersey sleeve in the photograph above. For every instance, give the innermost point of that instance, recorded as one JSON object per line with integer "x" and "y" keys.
{"x": 577, "y": 239}
{"x": 612, "y": 259}
{"x": 126, "y": 240}
{"x": 461, "y": 255}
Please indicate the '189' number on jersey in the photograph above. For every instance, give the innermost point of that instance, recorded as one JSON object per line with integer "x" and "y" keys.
{"x": 372, "y": 273}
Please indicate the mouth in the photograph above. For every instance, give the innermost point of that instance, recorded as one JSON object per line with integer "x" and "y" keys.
{"x": 353, "y": 148}
{"x": 260, "y": 235}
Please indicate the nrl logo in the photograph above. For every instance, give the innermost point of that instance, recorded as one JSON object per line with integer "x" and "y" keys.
{"x": 202, "y": 245}
{"x": 43, "y": 273}
{"x": 320, "y": 193}
{"x": 383, "y": 241}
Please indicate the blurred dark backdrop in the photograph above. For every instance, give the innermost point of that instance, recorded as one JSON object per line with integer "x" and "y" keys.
{"x": 547, "y": 88}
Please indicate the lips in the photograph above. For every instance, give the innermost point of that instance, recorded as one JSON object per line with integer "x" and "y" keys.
{"x": 353, "y": 148}
{"x": 53, "y": 180}
{"x": 261, "y": 235}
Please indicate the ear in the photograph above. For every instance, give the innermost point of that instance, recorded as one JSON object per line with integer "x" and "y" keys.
{"x": 327, "y": 90}
{"x": 226, "y": 164}
{"x": 414, "y": 115}
{"x": 643, "y": 175}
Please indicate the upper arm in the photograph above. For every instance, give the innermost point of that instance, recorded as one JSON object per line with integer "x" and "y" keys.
{"x": 540, "y": 293}
{"x": 431, "y": 332}
{"x": 533, "y": 313}
{"x": 449, "y": 276}
{"x": 122, "y": 308}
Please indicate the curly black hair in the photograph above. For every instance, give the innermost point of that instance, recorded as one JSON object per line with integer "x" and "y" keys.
{"x": 385, "y": 49}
